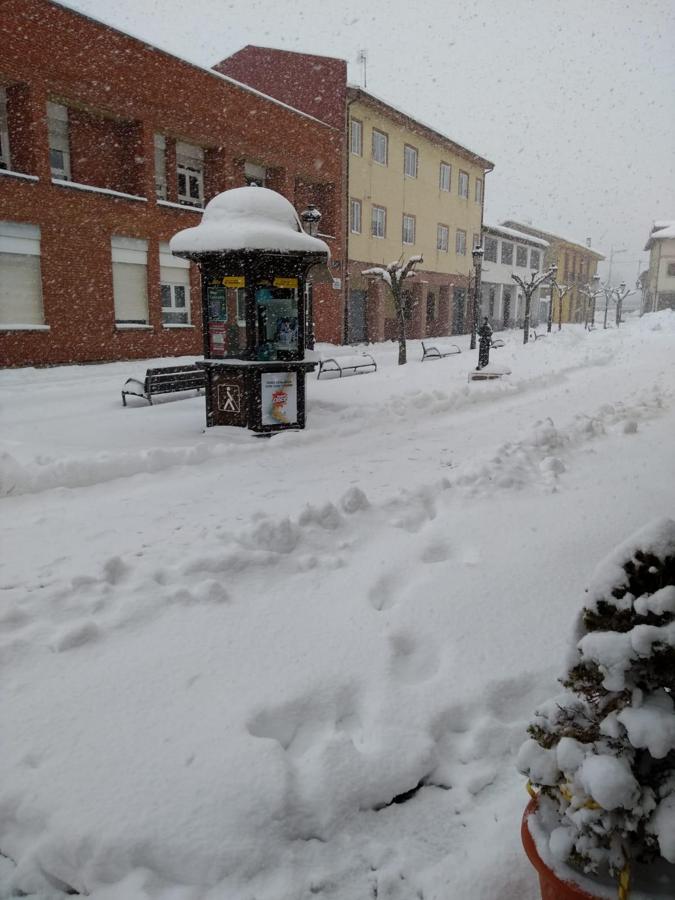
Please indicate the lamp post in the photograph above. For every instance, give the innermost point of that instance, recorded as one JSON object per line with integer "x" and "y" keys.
{"x": 477, "y": 256}
{"x": 554, "y": 272}
{"x": 310, "y": 218}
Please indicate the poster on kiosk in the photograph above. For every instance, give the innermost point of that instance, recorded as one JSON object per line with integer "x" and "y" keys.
{"x": 279, "y": 398}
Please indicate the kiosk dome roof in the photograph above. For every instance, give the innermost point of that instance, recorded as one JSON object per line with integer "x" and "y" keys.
{"x": 247, "y": 218}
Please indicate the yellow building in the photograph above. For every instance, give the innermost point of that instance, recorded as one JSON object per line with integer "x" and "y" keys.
{"x": 410, "y": 190}
{"x": 577, "y": 264}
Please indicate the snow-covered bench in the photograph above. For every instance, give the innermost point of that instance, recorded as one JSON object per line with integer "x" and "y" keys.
{"x": 165, "y": 381}
{"x": 489, "y": 372}
{"x": 438, "y": 350}
{"x": 347, "y": 365}
{"x": 496, "y": 343}
{"x": 536, "y": 335}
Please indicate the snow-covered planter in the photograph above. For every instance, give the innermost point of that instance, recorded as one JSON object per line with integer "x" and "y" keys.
{"x": 602, "y": 754}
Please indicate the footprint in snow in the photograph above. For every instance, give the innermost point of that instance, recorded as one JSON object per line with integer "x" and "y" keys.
{"x": 413, "y": 661}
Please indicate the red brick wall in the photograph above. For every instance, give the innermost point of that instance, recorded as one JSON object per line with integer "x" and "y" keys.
{"x": 315, "y": 84}
{"x": 119, "y": 93}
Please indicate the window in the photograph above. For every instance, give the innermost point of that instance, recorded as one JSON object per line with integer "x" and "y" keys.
{"x": 174, "y": 277}
{"x": 410, "y": 161}
{"x": 4, "y": 132}
{"x": 478, "y": 196}
{"x": 431, "y": 307}
{"x": 521, "y": 256}
{"x": 190, "y": 170}
{"x": 20, "y": 276}
{"x": 534, "y": 260}
{"x": 355, "y": 216}
{"x": 378, "y": 222}
{"x": 130, "y": 280}
{"x": 408, "y": 229}
{"x": 442, "y": 238}
{"x": 507, "y": 253}
{"x": 356, "y": 134}
{"x": 463, "y": 184}
{"x": 444, "y": 174}
{"x": 380, "y": 147}
{"x": 160, "y": 166}
{"x": 460, "y": 242}
{"x": 255, "y": 174}
{"x": 241, "y": 306}
{"x": 671, "y": 268}
{"x": 490, "y": 247}
{"x": 59, "y": 149}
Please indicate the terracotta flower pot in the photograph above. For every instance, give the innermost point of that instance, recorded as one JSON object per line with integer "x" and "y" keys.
{"x": 552, "y": 887}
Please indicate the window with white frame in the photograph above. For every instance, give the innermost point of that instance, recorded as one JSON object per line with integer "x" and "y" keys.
{"x": 378, "y": 222}
{"x": 355, "y": 216}
{"x": 460, "y": 242}
{"x": 535, "y": 260}
{"x": 478, "y": 195}
{"x": 20, "y": 276}
{"x": 255, "y": 174}
{"x": 521, "y": 256}
{"x": 174, "y": 286}
{"x": 130, "y": 280}
{"x": 4, "y": 132}
{"x": 507, "y": 253}
{"x": 380, "y": 147}
{"x": 160, "y": 166}
{"x": 444, "y": 176}
{"x": 190, "y": 172}
{"x": 442, "y": 237}
{"x": 490, "y": 248}
{"x": 463, "y": 184}
{"x": 59, "y": 147}
{"x": 356, "y": 137}
{"x": 410, "y": 161}
{"x": 408, "y": 229}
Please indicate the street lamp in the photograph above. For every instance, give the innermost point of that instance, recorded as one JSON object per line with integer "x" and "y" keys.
{"x": 553, "y": 283}
{"x": 477, "y": 255}
{"x": 310, "y": 219}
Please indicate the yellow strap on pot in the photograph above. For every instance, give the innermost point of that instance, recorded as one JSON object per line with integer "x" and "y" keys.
{"x": 530, "y": 790}
{"x": 567, "y": 794}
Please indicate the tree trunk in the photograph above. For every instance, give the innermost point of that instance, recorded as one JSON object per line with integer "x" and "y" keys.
{"x": 526, "y": 324}
{"x": 402, "y": 358}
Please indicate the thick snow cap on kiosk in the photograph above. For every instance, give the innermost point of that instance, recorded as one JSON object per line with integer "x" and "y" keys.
{"x": 247, "y": 218}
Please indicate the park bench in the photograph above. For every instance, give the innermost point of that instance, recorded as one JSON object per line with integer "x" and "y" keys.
{"x": 535, "y": 335}
{"x": 496, "y": 343}
{"x": 347, "y": 365}
{"x": 489, "y": 372}
{"x": 438, "y": 350}
{"x": 168, "y": 380}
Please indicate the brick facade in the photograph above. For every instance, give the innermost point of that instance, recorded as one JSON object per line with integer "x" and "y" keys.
{"x": 120, "y": 92}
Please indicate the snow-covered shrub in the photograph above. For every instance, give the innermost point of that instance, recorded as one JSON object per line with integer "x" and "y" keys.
{"x": 603, "y": 753}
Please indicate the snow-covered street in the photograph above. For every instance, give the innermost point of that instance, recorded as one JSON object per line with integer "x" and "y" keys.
{"x": 224, "y": 657}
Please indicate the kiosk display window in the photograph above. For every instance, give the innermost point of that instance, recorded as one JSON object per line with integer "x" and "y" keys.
{"x": 276, "y": 306}
{"x": 227, "y": 334}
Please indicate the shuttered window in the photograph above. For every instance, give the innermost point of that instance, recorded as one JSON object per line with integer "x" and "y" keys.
{"x": 20, "y": 276}
{"x": 130, "y": 280}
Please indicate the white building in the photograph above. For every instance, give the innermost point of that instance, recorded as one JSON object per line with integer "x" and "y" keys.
{"x": 659, "y": 290}
{"x": 507, "y": 251}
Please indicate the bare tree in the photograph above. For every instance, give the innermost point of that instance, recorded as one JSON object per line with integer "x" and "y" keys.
{"x": 528, "y": 288}
{"x": 563, "y": 290}
{"x": 394, "y": 276}
{"x": 591, "y": 292}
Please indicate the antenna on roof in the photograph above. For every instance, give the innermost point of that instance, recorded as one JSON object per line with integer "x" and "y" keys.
{"x": 362, "y": 59}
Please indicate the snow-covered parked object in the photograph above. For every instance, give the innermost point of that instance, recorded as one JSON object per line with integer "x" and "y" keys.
{"x": 489, "y": 372}
{"x": 603, "y": 753}
{"x": 247, "y": 218}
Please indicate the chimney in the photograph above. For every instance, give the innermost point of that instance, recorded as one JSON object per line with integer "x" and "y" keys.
{"x": 588, "y": 242}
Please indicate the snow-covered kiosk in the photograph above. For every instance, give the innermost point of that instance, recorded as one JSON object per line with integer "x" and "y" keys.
{"x": 254, "y": 257}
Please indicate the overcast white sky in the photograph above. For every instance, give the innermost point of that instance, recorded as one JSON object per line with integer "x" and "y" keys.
{"x": 573, "y": 101}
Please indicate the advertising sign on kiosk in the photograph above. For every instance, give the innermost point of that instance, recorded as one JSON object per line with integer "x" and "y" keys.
{"x": 254, "y": 257}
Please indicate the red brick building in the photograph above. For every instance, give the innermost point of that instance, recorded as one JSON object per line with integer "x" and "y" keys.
{"x": 108, "y": 146}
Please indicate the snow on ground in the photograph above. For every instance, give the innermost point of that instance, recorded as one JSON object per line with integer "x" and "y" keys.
{"x": 223, "y": 657}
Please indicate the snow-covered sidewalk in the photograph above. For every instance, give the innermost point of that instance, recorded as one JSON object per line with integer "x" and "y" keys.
{"x": 223, "y": 658}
